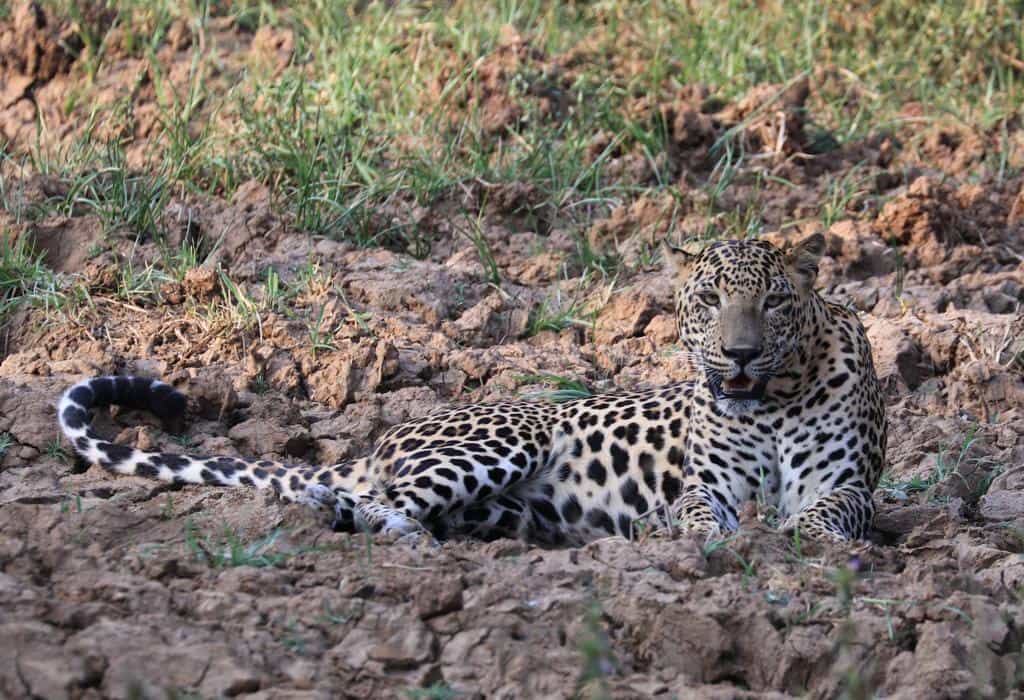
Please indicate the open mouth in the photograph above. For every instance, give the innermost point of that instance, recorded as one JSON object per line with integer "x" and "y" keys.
{"x": 739, "y": 387}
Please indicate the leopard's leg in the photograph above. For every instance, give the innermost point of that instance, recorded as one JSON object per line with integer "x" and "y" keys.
{"x": 711, "y": 500}
{"x": 378, "y": 516}
{"x": 358, "y": 512}
{"x": 440, "y": 465}
{"x": 840, "y": 515}
{"x": 503, "y": 516}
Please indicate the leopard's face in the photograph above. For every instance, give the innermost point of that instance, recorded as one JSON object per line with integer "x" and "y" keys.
{"x": 742, "y": 309}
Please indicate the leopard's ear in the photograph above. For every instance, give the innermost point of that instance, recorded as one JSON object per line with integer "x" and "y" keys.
{"x": 679, "y": 260}
{"x": 802, "y": 259}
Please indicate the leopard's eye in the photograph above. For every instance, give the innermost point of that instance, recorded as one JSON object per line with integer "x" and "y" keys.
{"x": 774, "y": 301}
{"x": 708, "y": 298}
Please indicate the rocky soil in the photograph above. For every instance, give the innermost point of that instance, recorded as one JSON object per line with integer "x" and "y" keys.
{"x": 125, "y": 588}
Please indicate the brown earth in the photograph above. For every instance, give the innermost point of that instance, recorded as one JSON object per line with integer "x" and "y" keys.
{"x": 117, "y": 587}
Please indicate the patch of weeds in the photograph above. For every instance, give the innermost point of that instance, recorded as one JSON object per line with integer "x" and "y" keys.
{"x": 459, "y": 295}
{"x": 240, "y": 306}
{"x": 229, "y": 550}
{"x": 135, "y": 284}
{"x": 886, "y": 604}
{"x": 797, "y": 544}
{"x": 597, "y": 656}
{"x": 24, "y": 279}
{"x": 167, "y": 511}
{"x": 713, "y": 545}
{"x": 841, "y": 193}
{"x": 6, "y": 441}
{"x": 66, "y": 504}
{"x": 150, "y": 550}
{"x": 368, "y": 549}
{"x": 855, "y": 685}
{"x": 172, "y": 694}
{"x": 845, "y": 578}
{"x": 437, "y": 691}
{"x": 554, "y": 315}
{"x": 274, "y": 296}
{"x": 293, "y": 640}
{"x": 566, "y": 389}
{"x": 986, "y": 482}
{"x": 362, "y": 318}
{"x": 740, "y": 221}
{"x": 122, "y": 199}
{"x": 56, "y": 451}
{"x": 320, "y": 340}
{"x": 944, "y": 468}
{"x": 475, "y": 235}
{"x": 590, "y": 260}
{"x": 260, "y": 384}
{"x": 177, "y": 262}
{"x": 767, "y": 510}
{"x": 748, "y": 566}
{"x": 330, "y": 617}
{"x": 184, "y": 441}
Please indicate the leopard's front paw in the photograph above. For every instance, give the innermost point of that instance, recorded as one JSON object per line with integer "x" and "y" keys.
{"x": 702, "y": 529}
{"x": 384, "y": 520}
{"x": 808, "y": 527}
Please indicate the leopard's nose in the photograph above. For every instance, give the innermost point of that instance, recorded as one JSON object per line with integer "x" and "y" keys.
{"x": 742, "y": 356}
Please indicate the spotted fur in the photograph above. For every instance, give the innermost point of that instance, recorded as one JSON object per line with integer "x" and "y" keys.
{"x": 786, "y": 409}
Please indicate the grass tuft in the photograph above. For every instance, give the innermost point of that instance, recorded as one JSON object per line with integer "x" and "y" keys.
{"x": 230, "y": 550}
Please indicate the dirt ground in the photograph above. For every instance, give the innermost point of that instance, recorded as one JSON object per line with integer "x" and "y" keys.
{"x": 126, "y": 588}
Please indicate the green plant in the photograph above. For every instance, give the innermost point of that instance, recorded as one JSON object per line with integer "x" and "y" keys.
{"x": 475, "y": 235}
{"x": 24, "y": 279}
{"x": 566, "y": 389}
{"x": 844, "y": 578}
{"x": 552, "y": 314}
{"x": 597, "y": 656}
{"x": 229, "y": 550}
{"x": 65, "y": 504}
{"x": 56, "y": 451}
{"x": 330, "y": 618}
{"x": 240, "y": 306}
{"x": 840, "y": 194}
{"x": 319, "y": 339}
{"x": 6, "y": 441}
{"x": 167, "y": 512}
{"x": 944, "y": 468}
{"x": 437, "y": 691}
{"x": 293, "y": 641}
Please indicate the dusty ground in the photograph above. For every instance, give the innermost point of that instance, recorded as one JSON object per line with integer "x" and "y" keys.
{"x": 120, "y": 587}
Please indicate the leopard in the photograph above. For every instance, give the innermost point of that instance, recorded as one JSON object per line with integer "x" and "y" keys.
{"x": 782, "y": 407}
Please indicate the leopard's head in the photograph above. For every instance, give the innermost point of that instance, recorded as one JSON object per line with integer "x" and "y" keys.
{"x": 743, "y": 309}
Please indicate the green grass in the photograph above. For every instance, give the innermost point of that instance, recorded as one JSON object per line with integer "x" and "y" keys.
{"x": 596, "y": 655}
{"x": 362, "y": 116}
{"x": 56, "y": 451}
{"x": 24, "y": 278}
{"x": 437, "y": 691}
{"x": 230, "y": 550}
{"x": 565, "y": 388}
{"x": 948, "y": 462}
{"x": 555, "y": 314}
{"x": 382, "y": 110}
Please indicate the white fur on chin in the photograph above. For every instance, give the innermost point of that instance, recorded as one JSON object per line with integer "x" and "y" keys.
{"x": 737, "y": 407}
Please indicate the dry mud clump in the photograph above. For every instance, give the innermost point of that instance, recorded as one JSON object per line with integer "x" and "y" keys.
{"x": 126, "y": 588}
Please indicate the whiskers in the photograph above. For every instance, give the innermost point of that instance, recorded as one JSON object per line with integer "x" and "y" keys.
{"x": 692, "y": 360}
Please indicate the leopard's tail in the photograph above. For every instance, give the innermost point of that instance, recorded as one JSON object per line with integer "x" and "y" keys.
{"x": 311, "y": 485}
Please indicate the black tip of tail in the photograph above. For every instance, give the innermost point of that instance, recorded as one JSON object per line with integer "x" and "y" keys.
{"x": 168, "y": 404}
{"x": 141, "y": 393}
